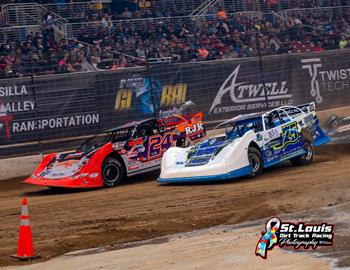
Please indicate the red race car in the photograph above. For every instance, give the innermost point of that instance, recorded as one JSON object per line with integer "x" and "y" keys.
{"x": 109, "y": 157}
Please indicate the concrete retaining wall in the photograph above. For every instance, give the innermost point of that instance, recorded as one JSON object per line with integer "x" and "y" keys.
{"x": 18, "y": 167}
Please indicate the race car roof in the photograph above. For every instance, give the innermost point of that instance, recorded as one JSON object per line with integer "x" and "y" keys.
{"x": 241, "y": 118}
{"x": 131, "y": 124}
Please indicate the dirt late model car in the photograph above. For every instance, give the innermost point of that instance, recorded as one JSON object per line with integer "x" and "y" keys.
{"x": 107, "y": 158}
{"x": 338, "y": 129}
{"x": 250, "y": 143}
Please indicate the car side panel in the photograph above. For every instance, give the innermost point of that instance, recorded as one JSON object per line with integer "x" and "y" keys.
{"x": 146, "y": 153}
{"x": 290, "y": 142}
{"x": 283, "y": 146}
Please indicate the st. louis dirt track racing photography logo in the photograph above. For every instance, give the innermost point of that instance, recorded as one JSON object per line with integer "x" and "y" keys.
{"x": 294, "y": 235}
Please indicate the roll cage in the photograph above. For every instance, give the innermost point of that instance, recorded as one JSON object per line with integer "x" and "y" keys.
{"x": 238, "y": 128}
{"x": 282, "y": 115}
{"x": 240, "y": 124}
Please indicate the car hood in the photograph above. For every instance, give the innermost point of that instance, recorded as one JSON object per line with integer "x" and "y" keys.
{"x": 64, "y": 165}
{"x": 202, "y": 153}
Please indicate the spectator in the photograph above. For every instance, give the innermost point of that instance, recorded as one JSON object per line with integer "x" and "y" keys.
{"x": 106, "y": 21}
{"x": 140, "y": 51}
{"x": 343, "y": 42}
{"x": 63, "y": 65}
{"x": 222, "y": 13}
{"x": 49, "y": 20}
{"x": 85, "y": 65}
{"x": 203, "y": 53}
{"x": 18, "y": 68}
{"x": 210, "y": 13}
{"x": 208, "y": 38}
{"x": 126, "y": 14}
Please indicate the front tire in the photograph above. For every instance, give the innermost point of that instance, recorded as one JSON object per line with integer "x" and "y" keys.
{"x": 113, "y": 172}
{"x": 255, "y": 161}
{"x": 305, "y": 159}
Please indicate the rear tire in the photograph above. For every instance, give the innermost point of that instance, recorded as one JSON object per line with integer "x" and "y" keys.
{"x": 305, "y": 159}
{"x": 255, "y": 161}
{"x": 113, "y": 172}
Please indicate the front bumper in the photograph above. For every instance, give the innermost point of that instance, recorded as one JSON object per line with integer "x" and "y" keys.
{"x": 66, "y": 182}
{"x": 163, "y": 179}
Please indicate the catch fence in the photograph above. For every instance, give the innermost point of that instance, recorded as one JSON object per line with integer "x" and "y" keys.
{"x": 55, "y": 112}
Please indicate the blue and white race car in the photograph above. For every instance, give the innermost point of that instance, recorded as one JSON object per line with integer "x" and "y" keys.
{"x": 250, "y": 143}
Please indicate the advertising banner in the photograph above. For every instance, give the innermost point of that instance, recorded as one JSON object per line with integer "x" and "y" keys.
{"x": 324, "y": 78}
{"x": 59, "y": 108}
{"x": 16, "y": 104}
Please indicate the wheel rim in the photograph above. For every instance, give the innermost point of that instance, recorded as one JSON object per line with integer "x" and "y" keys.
{"x": 309, "y": 152}
{"x": 254, "y": 162}
{"x": 111, "y": 173}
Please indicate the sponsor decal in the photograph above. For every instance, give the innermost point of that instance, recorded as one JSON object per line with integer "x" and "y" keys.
{"x": 133, "y": 168}
{"x": 134, "y": 142}
{"x": 247, "y": 96}
{"x": 294, "y": 235}
{"x": 325, "y": 80}
{"x": 195, "y": 128}
{"x": 68, "y": 163}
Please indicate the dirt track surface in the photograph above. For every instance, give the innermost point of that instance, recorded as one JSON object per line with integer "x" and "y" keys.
{"x": 230, "y": 247}
{"x": 141, "y": 209}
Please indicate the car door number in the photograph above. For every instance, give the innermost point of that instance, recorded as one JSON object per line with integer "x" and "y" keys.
{"x": 158, "y": 144}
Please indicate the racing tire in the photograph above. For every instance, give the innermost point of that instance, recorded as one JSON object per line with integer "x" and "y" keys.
{"x": 255, "y": 160}
{"x": 183, "y": 143}
{"x": 305, "y": 159}
{"x": 113, "y": 172}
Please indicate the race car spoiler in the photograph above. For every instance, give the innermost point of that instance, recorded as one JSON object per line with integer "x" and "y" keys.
{"x": 293, "y": 110}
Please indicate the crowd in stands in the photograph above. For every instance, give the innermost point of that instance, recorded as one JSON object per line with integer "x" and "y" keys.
{"x": 105, "y": 42}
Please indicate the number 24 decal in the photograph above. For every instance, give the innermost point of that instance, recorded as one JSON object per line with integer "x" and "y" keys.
{"x": 158, "y": 144}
